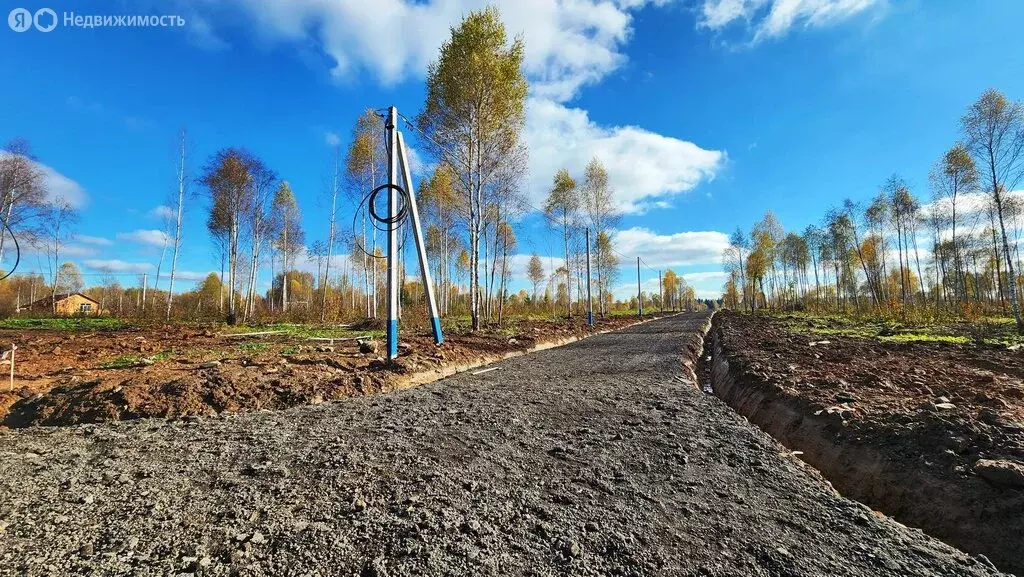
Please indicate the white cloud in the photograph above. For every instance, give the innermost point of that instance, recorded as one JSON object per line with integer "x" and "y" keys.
{"x": 40, "y": 249}
{"x": 568, "y": 44}
{"x": 162, "y": 211}
{"x": 93, "y": 240}
{"x": 150, "y": 237}
{"x": 659, "y": 252}
{"x": 706, "y": 285}
{"x": 201, "y": 33}
{"x": 967, "y": 204}
{"x": 307, "y": 262}
{"x": 417, "y": 166}
{"x": 642, "y": 165}
{"x": 706, "y": 276}
{"x": 774, "y": 18}
{"x": 519, "y": 264}
{"x": 59, "y": 186}
{"x": 186, "y": 275}
{"x": 117, "y": 266}
{"x": 678, "y": 249}
{"x": 332, "y": 139}
{"x": 971, "y": 215}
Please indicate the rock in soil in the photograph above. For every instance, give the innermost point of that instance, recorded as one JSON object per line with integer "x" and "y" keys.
{"x": 1006, "y": 473}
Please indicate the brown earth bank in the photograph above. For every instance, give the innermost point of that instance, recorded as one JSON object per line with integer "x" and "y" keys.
{"x": 929, "y": 433}
{"x": 67, "y": 377}
{"x": 596, "y": 459}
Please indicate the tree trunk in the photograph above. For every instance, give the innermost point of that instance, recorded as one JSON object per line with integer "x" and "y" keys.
{"x": 177, "y": 225}
{"x": 1012, "y": 281}
{"x": 330, "y": 239}
{"x": 284, "y": 271}
{"x": 568, "y": 273}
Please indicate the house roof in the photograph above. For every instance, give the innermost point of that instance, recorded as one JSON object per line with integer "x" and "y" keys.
{"x": 49, "y": 300}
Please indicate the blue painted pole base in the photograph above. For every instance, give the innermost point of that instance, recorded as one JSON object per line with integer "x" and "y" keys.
{"x": 590, "y": 318}
{"x": 436, "y": 323}
{"x": 392, "y": 337}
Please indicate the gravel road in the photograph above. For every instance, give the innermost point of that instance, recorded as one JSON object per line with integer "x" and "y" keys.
{"x": 590, "y": 459}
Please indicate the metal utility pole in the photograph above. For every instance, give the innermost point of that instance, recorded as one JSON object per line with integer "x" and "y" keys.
{"x": 421, "y": 247}
{"x": 590, "y": 300}
{"x": 398, "y": 168}
{"x": 639, "y": 293}
{"x": 661, "y": 294}
{"x": 392, "y": 284}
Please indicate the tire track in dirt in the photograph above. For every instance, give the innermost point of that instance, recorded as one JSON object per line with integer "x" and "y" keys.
{"x": 589, "y": 459}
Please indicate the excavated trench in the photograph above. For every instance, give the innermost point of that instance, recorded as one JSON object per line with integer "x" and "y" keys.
{"x": 966, "y": 512}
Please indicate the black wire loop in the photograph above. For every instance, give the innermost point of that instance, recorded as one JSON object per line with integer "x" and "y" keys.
{"x": 17, "y": 249}
{"x": 379, "y": 222}
{"x": 403, "y": 209}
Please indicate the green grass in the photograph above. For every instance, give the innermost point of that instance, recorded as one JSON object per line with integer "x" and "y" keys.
{"x": 129, "y": 361}
{"x": 925, "y": 338}
{"x": 64, "y": 324}
{"x": 995, "y": 331}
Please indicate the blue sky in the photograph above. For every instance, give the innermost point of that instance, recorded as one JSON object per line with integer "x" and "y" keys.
{"x": 706, "y": 112}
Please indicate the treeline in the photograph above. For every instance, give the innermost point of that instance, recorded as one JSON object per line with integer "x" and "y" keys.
{"x": 471, "y": 125}
{"x": 956, "y": 254}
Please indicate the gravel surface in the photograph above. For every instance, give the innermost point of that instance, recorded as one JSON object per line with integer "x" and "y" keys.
{"x": 595, "y": 458}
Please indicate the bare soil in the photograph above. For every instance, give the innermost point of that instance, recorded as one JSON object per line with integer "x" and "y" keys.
{"x": 599, "y": 458}
{"x": 899, "y": 426}
{"x": 179, "y": 371}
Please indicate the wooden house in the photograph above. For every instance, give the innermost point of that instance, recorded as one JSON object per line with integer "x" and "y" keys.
{"x": 68, "y": 305}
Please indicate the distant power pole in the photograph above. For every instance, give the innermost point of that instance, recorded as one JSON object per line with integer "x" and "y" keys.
{"x": 639, "y": 293}
{"x": 661, "y": 295}
{"x": 145, "y": 281}
{"x": 590, "y": 300}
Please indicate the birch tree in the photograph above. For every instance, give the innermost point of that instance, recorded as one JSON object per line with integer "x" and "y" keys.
{"x": 535, "y": 272}
{"x": 55, "y": 229}
{"x": 852, "y": 213}
{"x": 440, "y": 204}
{"x": 332, "y": 233}
{"x": 993, "y": 128}
{"x": 508, "y": 244}
{"x": 561, "y": 210}
{"x": 22, "y": 188}
{"x": 364, "y": 163}
{"x": 289, "y": 237}
{"x": 262, "y": 181}
{"x": 179, "y": 210}
{"x": 609, "y": 263}
{"x": 228, "y": 183}
{"x": 738, "y": 241}
{"x": 954, "y": 175}
{"x": 474, "y": 115}
{"x": 603, "y": 215}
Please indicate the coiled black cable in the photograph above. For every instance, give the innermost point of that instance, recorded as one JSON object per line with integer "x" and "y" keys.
{"x": 17, "y": 249}
{"x": 383, "y": 223}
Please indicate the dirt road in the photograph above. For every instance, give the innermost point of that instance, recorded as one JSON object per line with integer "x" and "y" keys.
{"x": 590, "y": 459}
